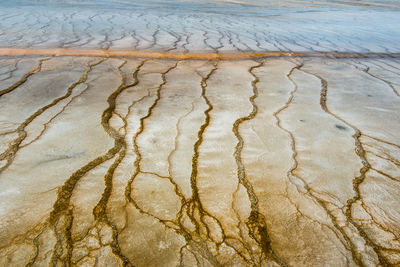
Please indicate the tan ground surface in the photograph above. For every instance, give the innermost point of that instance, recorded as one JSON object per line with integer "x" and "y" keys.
{"x": 154, "y": 162}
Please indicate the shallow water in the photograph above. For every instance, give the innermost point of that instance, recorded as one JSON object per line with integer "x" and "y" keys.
{"x": 192, "y": 26}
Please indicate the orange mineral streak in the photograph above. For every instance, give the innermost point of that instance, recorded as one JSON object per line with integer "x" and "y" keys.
{"x": 154, "y": 54}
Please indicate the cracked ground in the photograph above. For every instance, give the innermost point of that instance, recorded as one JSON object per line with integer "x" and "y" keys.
{"x": 165, "y": 144}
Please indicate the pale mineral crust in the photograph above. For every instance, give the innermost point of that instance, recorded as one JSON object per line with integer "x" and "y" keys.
{"x": 199, "y": 133}
{"x": 154, "y": 162}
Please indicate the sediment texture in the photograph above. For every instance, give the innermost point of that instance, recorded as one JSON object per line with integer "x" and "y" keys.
{"x": 203, "y": 25}
{"x": 154, "y": 162}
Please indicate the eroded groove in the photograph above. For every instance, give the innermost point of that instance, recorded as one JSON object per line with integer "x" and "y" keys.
{"x": 300, "y": 181}
{"x": 381, "y": 140}
{"x": 193, "y": 205}
{"x": 100, "y": 211}
{"x": 14, "y": 146}
{"x": 61, "y": 206}
{"x": 11, "y": 71}
{"x": 36, "y": 244}
{"x": 177, "y": 189}
{"x": 195, "y": 158}
{"x": 203, "y": 237}
{"x": 357, "y": 181}
{"x": 386, "y": 175}
{"x": 367, "y": 71}
{"x": 24, "y": 78}
{"x": 386, "y": 157}
{"x": 137, "y": 171}
{"x": 128, "y": 189}
{"x": 46, "y": 125}
{"x": 256, "y": 221}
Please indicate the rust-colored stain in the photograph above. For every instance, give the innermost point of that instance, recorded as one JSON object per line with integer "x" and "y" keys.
{"x": 154, "y": 54}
